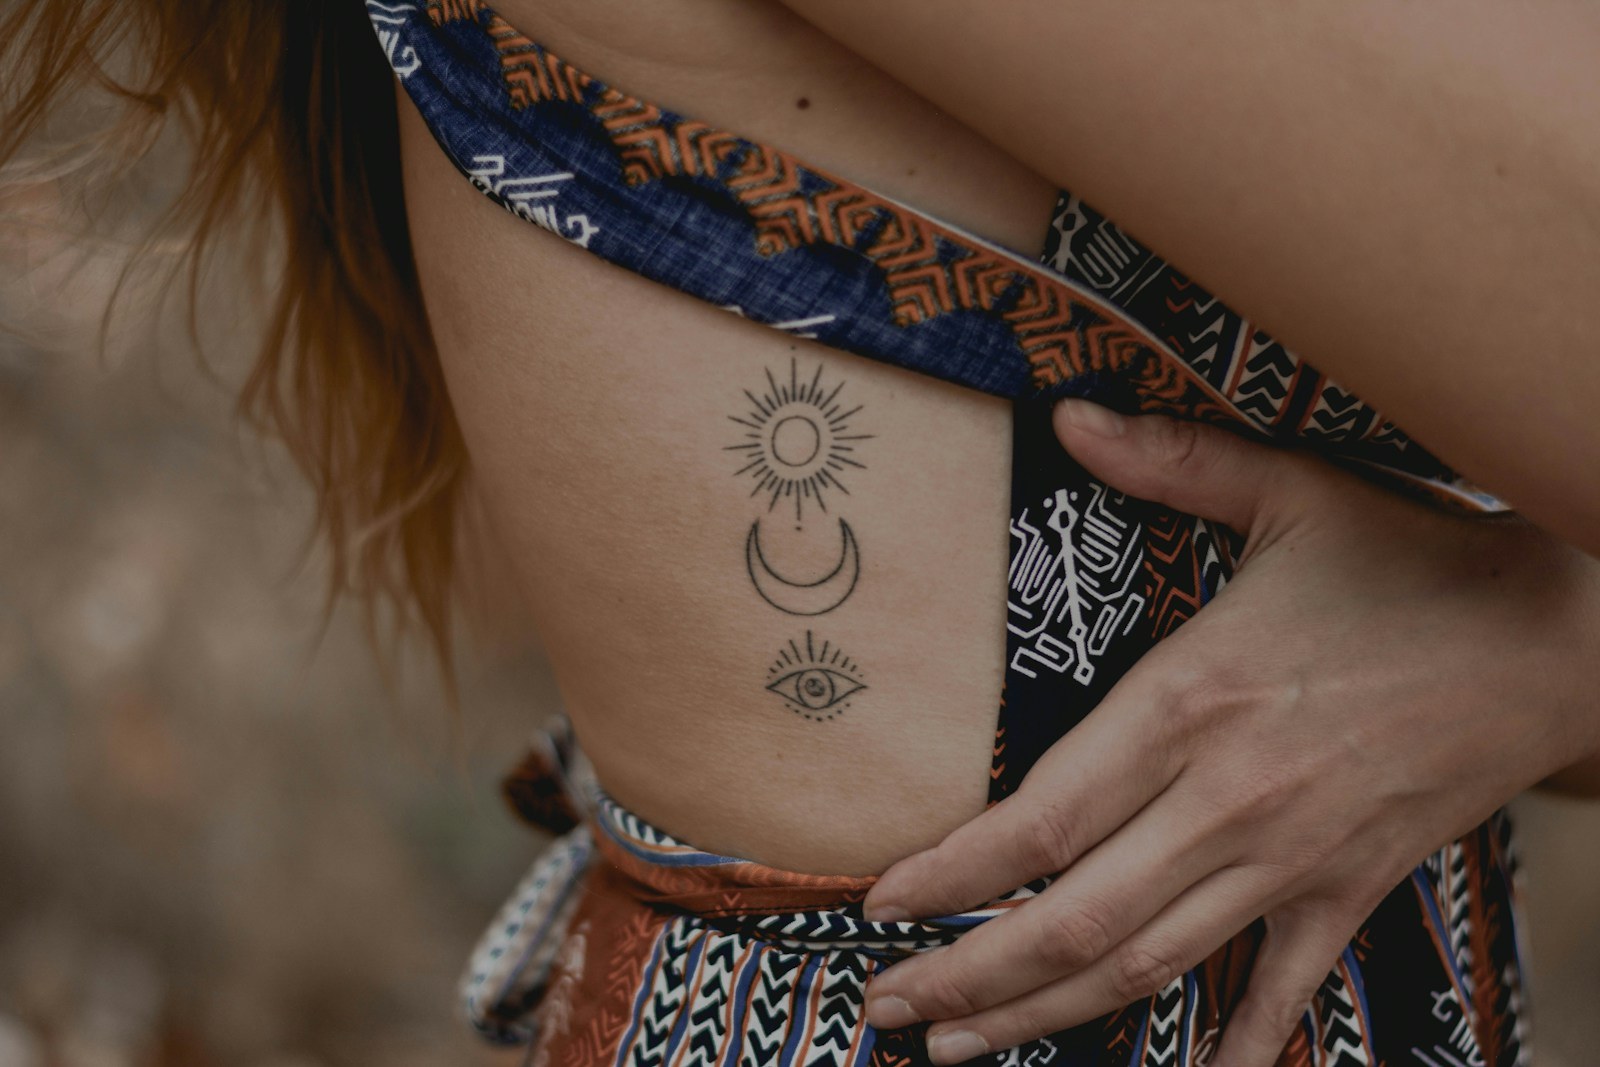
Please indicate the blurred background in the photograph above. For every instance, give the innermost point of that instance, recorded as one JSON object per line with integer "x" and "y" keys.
{"x": 225, "y": 839}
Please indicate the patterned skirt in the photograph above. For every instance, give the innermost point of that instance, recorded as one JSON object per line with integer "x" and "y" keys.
{"x": 625, "y": 946}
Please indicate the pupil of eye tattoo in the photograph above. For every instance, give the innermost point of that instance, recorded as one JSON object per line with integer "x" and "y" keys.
{"x": 814, "y": 681}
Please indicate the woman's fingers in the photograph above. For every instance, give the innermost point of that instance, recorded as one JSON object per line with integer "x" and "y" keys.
{"x": 1101, "y": 899}
{"x": 1184, "y": 933}
{"x": 1186, "y": 465}
{"x": 1083, "y": 788}
{"x": 1293, "y": 963}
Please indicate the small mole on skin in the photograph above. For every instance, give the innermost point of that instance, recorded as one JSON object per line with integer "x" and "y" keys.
{"x": 910, "y": 171}
{"x": 1494, "y": 572}
{"x": 802, "y": 103}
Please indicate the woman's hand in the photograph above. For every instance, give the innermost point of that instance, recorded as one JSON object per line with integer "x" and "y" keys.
{"x": 1376, "y": 680}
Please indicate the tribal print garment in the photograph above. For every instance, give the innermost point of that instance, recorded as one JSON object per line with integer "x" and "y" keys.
{"x": 626, "y": 947}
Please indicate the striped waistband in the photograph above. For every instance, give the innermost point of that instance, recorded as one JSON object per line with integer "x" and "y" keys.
{"x": 800, "y": 911}
{"x": 608, "y": 850}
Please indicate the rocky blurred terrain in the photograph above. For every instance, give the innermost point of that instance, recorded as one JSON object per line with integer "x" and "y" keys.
{"x": 223, "y": 841}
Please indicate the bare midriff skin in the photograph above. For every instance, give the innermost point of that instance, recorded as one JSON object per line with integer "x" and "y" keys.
{"x": 599, "y": 410}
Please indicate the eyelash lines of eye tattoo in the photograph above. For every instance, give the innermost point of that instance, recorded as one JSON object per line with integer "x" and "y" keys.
{"x": 812, "y": 682}
{"x": 797, "y": 443}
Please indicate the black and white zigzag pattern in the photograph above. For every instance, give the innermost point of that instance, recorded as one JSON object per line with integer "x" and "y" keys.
{"x": 1268, "y": 371}
{"x": 663, "y": 999}
{"x": 707, "y": 1031}
{"x": 1517, "y": 1042}
{"x": 771, "y": 1007}
{"x": 1339, "y": 1030}
{"x": 820, "y": 931}
{"x": 630, "y": 825}
{"x": 839, "y": 1012}
{"x": 1456, "y": 906}
{"x": 1164, "y": 1025}
{"x": 716, "y": 996}
{"x": 1216, "y": 557}
{"x": 513, "y": 959}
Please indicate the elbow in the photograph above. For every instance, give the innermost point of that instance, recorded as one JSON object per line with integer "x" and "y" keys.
{"x": 1581, "y": 779}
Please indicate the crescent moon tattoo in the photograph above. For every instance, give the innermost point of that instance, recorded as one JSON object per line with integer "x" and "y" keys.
{"x": 804, "y": 598}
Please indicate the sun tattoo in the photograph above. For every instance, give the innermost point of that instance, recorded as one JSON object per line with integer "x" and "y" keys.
{"x": 797, "y": 441}
{"x": 812, "y": 682}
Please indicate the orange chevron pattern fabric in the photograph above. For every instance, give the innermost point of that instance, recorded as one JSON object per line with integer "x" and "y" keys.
{"x": 922, "y": 282}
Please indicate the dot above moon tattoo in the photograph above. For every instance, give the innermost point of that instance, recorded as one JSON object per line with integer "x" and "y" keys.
{"x": 815, "y": 683}
{"x": 797, "y": 442}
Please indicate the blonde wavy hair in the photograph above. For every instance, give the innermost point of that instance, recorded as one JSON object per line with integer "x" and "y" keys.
{"x": 288, "y": 109}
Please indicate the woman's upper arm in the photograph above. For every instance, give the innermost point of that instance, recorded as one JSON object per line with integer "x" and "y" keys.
{"x": 1411, "y": 202}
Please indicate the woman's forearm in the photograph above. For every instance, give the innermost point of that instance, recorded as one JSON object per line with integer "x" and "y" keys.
{"x": 1407, "y": 194}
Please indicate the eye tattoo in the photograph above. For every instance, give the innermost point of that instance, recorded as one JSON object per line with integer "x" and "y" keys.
{"x": 814, "y": 683}
{"x": 797, "y": 441}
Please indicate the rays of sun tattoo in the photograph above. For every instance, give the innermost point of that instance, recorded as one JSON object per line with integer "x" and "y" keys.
{"x": 797, "y": 441}
{"x": 816, "y": 683}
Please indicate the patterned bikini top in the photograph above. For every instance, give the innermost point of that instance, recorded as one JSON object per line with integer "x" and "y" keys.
{"x": 1095, "y": 577}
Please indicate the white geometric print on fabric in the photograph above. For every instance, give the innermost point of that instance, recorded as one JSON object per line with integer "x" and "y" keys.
{"x": 1040, "y": 1053}
{"x": 522, "y": 197}
{"x": 1095, "y": 249}
{"x": 402, "y": 60}
{"x": 1519, "y": 1031}
{"x": 793, "y": 327}
{"x": 1337, "y": 417}
{"x": 711, "y": 998}
{"x": 1455, "y": 905}
{"x": 513, "y": 959}
{"x": 1211, "y": 541}
{"x": 1080, "y": 572}
{"x": 826, "y": 930}
{"x": 1463, "y": 1050}
{"x": 1252, "y": 373}
{"x": 1511, "y": 971}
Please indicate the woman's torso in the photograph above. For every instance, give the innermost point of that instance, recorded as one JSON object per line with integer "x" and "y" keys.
{"x": 627, "y": 439}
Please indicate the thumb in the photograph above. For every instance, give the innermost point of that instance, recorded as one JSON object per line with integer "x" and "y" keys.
{"x": 1189, "y": 466}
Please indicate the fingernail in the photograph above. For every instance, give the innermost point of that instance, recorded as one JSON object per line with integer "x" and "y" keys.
{"x": 885, "y": 913}
{"x": 1091, "y": 417}
{"x": 891, "y": 1013}
{"x": 955, "y": 1046}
